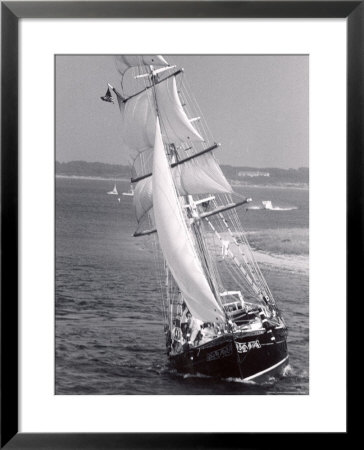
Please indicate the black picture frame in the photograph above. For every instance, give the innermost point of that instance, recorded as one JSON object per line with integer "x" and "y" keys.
{"x": 11, "y": 12}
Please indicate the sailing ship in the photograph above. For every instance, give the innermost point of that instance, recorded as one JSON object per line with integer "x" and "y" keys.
{"x": 220, "y": 317}
{"x": 114, "y": 191}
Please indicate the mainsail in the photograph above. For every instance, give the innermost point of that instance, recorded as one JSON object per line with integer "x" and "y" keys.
{"x": 176, "y": 243}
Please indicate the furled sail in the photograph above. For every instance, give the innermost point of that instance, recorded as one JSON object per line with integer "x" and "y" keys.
{"x": 197, "y": 176}
{"x": 176, "y": 242}
{"x": 139, "y": 116}
{"x": 125, "y": 62}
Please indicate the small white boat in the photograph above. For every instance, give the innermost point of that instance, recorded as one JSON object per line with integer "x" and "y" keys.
{"x": 114, "y": 191}
{"x": 267, "y": 204}
{"x": 130, "y": 193}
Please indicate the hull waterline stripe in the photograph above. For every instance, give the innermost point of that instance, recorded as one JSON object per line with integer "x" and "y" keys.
{"x": 266, "y": 370}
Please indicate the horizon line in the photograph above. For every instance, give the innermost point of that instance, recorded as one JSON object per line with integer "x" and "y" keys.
{"x": 221, "y": 164}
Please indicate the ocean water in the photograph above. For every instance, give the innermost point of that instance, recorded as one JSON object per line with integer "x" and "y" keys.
{"x": 109, "y": 330}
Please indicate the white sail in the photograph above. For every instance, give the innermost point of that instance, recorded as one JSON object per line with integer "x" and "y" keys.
{"x": 114, "y": 191}
{"x": 125, "y": 62}
{"x": 176, "y": 127}
{"x": 139, "y": 116}
{"x": 143, "y": 197}
{"x": 176, "y": 242}
{"x": 201, "y": 175}
{"x": 138, "y": 121}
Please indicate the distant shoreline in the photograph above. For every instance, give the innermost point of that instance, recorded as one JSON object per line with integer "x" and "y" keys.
{"x": 299, "y": 186}
{"x": 89, "y": 177}
{"x": 259, "y": 186}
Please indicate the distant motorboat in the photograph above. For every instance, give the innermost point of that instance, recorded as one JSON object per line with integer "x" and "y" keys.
{"x": 267, "y": 204}
{"x": 114, "y": 191}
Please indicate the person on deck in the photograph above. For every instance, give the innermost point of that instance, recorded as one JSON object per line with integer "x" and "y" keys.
{"x": 194, "y": 329}
{"x": 177, "y": 338}
{"x": 184, "y": 321}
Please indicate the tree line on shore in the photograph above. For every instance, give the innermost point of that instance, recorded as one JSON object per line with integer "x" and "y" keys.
{"x": 249, "y": 175}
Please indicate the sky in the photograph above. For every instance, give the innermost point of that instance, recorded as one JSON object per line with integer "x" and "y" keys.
{"x": 256, "y": 106}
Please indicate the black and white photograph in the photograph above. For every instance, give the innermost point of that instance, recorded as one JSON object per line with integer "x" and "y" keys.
{"x": 181, "y": 224}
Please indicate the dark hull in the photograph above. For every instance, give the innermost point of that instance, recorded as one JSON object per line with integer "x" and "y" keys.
{"x": 249, "y": 356}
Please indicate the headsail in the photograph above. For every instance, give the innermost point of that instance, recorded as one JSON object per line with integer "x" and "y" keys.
{"x": 176, "y": 242}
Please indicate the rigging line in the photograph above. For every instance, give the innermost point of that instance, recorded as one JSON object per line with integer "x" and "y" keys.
{"x": 236, "y": 278}
{"x": 203, "y": 257}
{"x": 159, "y": 278}
{"x": 231, "y": 268}
{"x": 208, "y": 264}
{"x": 211, "y": 256}
{"x": 191, "y": 113}
{"x": 254, "y": 263}
{"x": 211, "y": 267}
{"x": 237, "y": 275}
{"x": 234, "y": 219}
{"x": 202, "y": 124}
{"x": 232, "y": 256}
{"x": 236, "y": 243}
{"x": 251, "y": 255}
{"x": 193, "y": 102}
{"x": 251, "y": 269}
